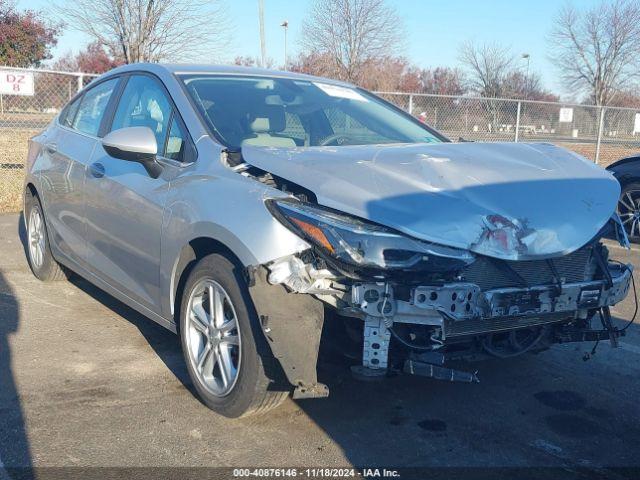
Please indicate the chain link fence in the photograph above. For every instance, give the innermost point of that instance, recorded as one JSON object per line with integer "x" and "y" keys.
{"x": 602, "y": 135}
{"x": 35, "y": 97}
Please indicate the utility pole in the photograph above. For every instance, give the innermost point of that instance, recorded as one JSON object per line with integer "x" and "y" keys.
{"x": 285, "y": 25}
{"x": 263, "y": 47}
{"x": 527, "y": 57}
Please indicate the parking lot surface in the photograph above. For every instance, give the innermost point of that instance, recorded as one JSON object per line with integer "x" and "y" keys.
{"x": 88, "y": 382}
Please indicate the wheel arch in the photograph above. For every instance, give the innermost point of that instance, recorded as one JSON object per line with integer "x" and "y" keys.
{"x": 627, "y": 178}
{"x": 626, "y": 170}
{"x": 31, "y": 188}
{"x": 189, "y": 255}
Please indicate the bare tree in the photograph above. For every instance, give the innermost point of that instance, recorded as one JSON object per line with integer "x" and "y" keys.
{"x": 519, "y": 85}
{"x": 313, "y": 63}
{"x": 246, "y": 61}
{"x": 443, "y": 81}
{"x": 598, "y": 50}
{"x": 488, "y": 66}
{"x": 151, "y": 30}
{"x": 390, "y": 74}
{"x": 348, "y": 34}
{"x": 488, "y": 69}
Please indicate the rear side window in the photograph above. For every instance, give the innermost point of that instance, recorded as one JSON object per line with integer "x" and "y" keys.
{"x": 92, "y": 107}
{"x": 69, "y": 113}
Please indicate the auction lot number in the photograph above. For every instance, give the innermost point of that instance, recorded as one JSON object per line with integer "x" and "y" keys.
{"x": 315, "y": 473}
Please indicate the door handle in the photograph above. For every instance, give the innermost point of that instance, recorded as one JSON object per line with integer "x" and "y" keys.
{"x": 51, "y": 147}
{"x": 97, "y": 170}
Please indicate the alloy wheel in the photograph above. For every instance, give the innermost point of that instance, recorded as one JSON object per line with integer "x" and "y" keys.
{"x": 36, "y": 238}
{"x": 629, "y": 212}
{"x": 213, "y": 337}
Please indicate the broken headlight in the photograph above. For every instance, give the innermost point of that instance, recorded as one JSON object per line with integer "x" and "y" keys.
{"x": 362, "y": 243}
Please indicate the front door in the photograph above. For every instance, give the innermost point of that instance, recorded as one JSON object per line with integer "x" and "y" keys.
{"x": 124, "y": 205}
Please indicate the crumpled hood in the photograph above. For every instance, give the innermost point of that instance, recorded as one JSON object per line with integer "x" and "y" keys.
{"x": 505, "y": 200}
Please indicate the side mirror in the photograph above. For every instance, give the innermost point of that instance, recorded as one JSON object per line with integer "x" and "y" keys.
{"x": 134, "y": 144}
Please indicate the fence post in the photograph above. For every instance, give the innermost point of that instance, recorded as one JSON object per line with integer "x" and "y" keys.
{"x": 410, "y": 104}
{"x": 80, "y": 82}
{"x": 600, "y": 128}
{"x": 518, "y": 122}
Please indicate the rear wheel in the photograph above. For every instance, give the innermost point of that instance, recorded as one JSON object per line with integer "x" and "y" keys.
{"x": 41, "y": 261}
{"x": 232, "y": 368}
{"x": 629, "y": 210}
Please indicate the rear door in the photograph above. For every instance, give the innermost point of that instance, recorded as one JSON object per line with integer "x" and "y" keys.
{"x": 124, "y": 205}
{"x": 68, "y": 154}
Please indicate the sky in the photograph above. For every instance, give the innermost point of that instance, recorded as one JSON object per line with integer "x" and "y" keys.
{"x": 434, "y": 29}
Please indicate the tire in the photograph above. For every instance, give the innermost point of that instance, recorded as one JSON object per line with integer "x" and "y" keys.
{"x": 629, "y": 210}
{"x": 39, "y": 256}
{"x": 215, "y": 350}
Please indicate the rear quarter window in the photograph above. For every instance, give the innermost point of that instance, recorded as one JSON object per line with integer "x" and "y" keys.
{"x": 69, "y": 113}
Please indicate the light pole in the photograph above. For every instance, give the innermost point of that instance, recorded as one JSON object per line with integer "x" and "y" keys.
{"x": 285, "y": 25}
{"x": 263, "y": 48}
{"x": 526, "y": 57}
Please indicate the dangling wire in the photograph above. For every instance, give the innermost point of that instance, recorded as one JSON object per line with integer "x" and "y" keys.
{"x": 487, "y": 344}
{"x": 388, "y": 322}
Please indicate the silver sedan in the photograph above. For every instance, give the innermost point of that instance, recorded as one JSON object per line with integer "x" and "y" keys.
{"x": 250, "y": 211}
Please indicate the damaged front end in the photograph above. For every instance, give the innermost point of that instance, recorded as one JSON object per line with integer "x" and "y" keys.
{"x": 413, "y": 305}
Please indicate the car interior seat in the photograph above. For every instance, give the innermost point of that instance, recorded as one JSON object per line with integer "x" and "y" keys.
{"x": 265, "y": 125}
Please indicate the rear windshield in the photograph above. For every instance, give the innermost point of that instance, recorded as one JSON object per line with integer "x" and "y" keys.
{"x": 279, "y": 112}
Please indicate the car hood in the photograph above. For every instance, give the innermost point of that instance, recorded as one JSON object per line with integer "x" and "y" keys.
{"x": 506, "y": 200}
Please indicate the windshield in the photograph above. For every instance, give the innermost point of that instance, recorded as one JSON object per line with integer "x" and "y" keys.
{"x": 279, "y": 112}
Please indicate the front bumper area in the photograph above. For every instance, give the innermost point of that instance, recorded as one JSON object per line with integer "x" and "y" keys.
{"x": 459, "y": 309}
{"x": 426, "y": 325}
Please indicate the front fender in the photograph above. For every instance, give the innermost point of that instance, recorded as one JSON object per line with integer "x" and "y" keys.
{"x": 224, "y": 207}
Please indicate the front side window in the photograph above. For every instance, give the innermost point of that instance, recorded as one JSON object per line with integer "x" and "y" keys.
{"x": 283, "y": 112}
{"x": 144, "y": 104}
{"x": 92, "y": 106}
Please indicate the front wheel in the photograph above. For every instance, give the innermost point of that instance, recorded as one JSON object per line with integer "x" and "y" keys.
{"x": 226, "y": 354}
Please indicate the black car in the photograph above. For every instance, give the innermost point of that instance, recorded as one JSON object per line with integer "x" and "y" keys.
{"x": 627, "y": 171}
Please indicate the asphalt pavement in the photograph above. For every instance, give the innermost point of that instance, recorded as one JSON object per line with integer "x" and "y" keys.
{"x": 87, "y": 382}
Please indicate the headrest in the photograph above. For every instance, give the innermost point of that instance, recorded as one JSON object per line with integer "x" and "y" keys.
{"x": 267, "y": 118}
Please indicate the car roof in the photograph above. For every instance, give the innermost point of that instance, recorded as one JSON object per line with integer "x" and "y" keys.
{"x": 187, "y": 69}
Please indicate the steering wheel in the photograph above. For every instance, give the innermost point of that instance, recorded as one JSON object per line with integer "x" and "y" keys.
{"x": 336, "y": 138}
